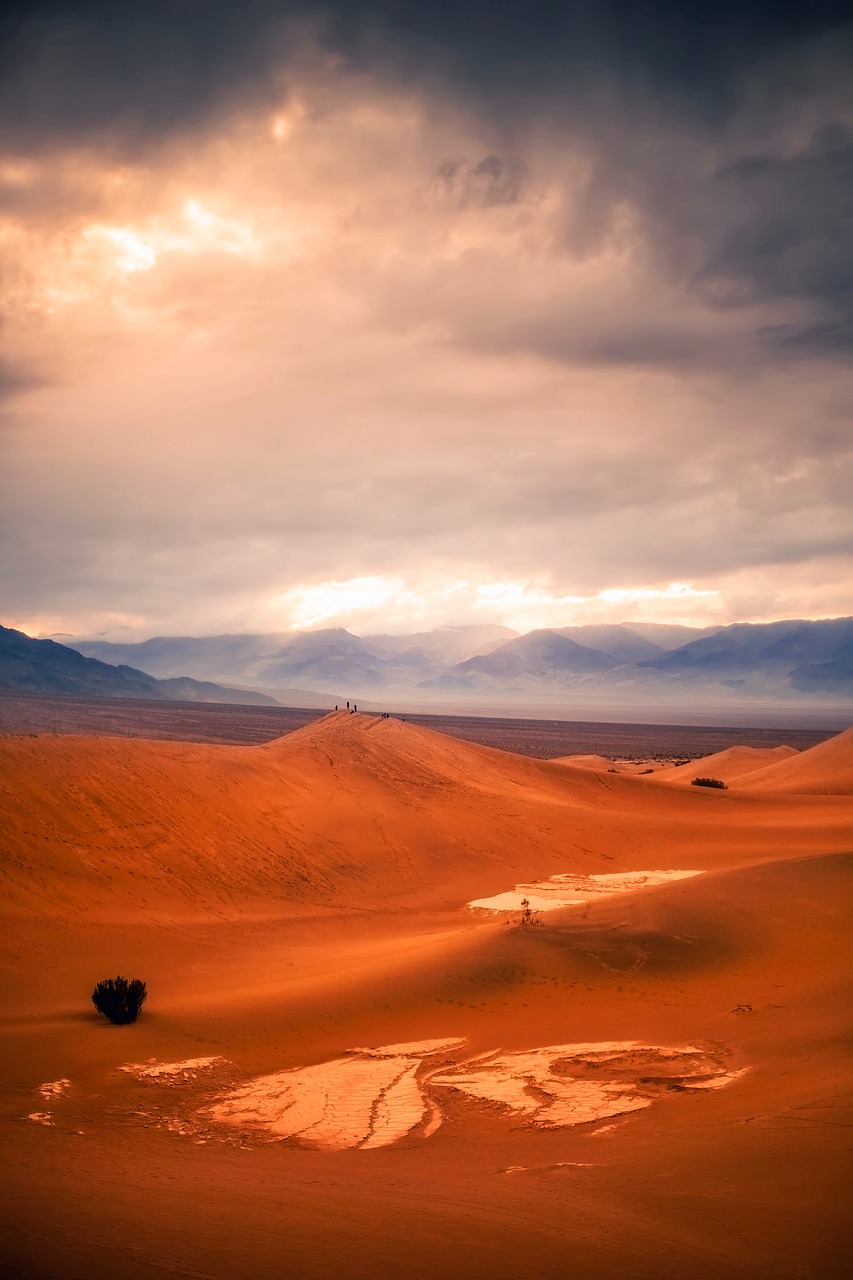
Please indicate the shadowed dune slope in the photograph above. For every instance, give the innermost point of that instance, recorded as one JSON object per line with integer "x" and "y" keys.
{"x": 729, "y": 765}
{"x": 826, "y": 769}
{"x": 351, "y": 813}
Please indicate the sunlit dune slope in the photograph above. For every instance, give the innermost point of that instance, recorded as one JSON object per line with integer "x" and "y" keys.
{"x": 728, "y": 765}
{"x": 351, "y": 813}
{"x": 585, "y": 762}
{"x": 826, "y": 769}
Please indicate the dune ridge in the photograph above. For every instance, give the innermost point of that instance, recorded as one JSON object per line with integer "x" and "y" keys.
{"x": 729, "y": 766}
{"x": 347, "y": 813}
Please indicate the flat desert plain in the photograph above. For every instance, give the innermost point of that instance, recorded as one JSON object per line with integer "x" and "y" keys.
{"x": 344, "y": 1070}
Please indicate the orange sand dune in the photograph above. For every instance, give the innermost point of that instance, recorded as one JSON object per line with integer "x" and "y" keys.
{"x": 585, "y": 762}
{"x": 649, "y": 1084}
{"x": 601, "y": 763}
{"x": 348, "y": 813}
{"x": 826, "y": 769}
{"x": 729, "y": 765}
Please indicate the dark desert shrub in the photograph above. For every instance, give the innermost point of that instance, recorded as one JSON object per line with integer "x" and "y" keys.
{"x": 709, "y": 782}
{"x": 528, "y": 915}
{"x": 118, "y": 999}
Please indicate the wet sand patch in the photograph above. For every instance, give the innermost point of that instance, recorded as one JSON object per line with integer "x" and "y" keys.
{"x": 379, "y": 1096}
{"x": 187, "y": 1069}
{"x": 569, "y": 889}
{"x": 376, "y": 1097}
{"x": 560, "y": 1086}
{"x": 371, "y": 1098}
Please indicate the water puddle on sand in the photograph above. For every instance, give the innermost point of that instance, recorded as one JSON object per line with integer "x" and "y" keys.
{"x": 564, "y": 1085}
{"x": 187, "y": 1069}
{"x": 371, "y": 1098}
{"x": 41, "y": 1117}
{"x": 569, "y": 889}
{"x": 376, "y": 1097}
{"x": 53, "y": 1089}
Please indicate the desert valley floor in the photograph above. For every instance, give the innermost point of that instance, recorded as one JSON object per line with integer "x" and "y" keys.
{"x": 344, "y": 1070}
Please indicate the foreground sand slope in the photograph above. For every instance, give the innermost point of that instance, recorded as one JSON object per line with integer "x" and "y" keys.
{"x": 350, "y": 812}
{"x": 748, "y": 1182}
{"x": 290, "y": 903}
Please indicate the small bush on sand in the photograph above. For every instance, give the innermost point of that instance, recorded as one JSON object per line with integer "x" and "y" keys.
{"x": 709, "y": 782}
{"x": 528, "y": 915}
{"x": 118, "y": 999}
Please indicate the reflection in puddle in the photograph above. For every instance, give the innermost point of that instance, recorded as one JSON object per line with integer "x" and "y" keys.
{"x": 54, "y": 1089}
{"x": 370, "y": 1098}
{"x": 568, "y": 889}
{"x": 562, "y": 1085}
{"x": 375, "y": 1097}
{"x": 187, "y": 1069}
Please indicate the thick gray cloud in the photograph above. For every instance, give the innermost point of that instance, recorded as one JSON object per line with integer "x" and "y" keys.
{"x": 319, "y": 292}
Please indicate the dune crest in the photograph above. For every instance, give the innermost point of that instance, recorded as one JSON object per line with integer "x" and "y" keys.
{"x": 826, "y": 769}
{"x": 729, "y": 766}
{"x": 346, "y": 814}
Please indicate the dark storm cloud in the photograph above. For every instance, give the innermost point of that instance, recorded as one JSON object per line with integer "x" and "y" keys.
{"x": 792, "y": 234}
{"x": 651, "y": 90}
{"x": 494, "y": 180}
{"x": 71, "y": 67}
{"x": 332, "y": 291}
{"x": 75, "y": 73}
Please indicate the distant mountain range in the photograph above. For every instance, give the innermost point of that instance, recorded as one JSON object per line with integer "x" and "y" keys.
{"x": 42, "y": 666}
{"x": 779, "y": 661}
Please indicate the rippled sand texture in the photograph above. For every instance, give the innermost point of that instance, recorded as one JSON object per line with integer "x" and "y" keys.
{"x": 369, "y": 1099}
{"x": 551, "y": 1086}
{"x": 567, "y": 890}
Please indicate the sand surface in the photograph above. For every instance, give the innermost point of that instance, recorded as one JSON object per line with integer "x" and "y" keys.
{"x": 730, "y": 766}
{"x": 341, "y": 1070}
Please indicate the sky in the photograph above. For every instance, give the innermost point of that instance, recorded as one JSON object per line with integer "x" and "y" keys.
{"x": 389, "y": 316}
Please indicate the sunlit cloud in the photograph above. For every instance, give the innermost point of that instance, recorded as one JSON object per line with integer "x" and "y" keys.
{"x": 132, "y": 253}
{"x": 355, "y": 353}
{"x": 328, "y": 602}
{"x": 196, "y": 230}
{"x": 672, "y": 591}
{"x": 367, "y": 604}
